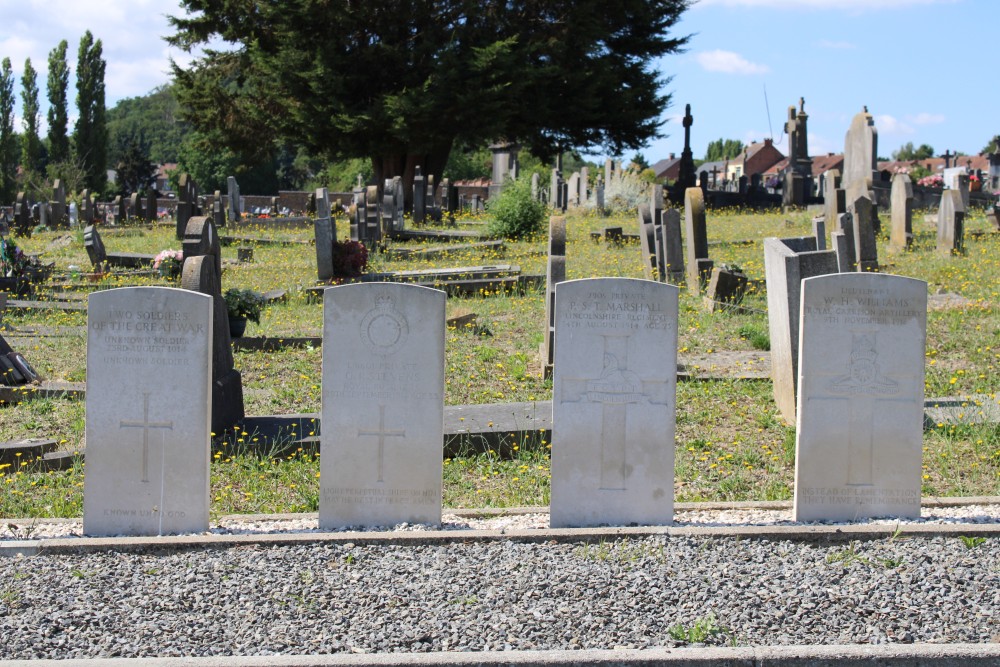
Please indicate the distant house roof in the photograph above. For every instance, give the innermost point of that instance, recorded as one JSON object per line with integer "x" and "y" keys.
{"x": 668, "y": 168}
{"x": 936, "y": 164}
{"x": 820, "y": 164}
{"x": 718, "y": 165}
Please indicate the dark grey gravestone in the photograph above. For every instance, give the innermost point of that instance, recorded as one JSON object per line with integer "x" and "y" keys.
{"x": 95, "y": 247}
{"x": 673, "y": 245}
{"x": 865, "y": 248}
{"x": 951, "y": 224}
{"x": 326, "y": 234}
{"x": 419, "y": 198}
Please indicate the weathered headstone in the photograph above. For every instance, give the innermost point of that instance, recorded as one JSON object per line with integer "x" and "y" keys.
{"x": 647, "y": 242}
{"x": 22, "y": 216}
{"x": 419, "y": 198}
{"x": 673, "y": 246}
{"x": 860, "y": 421}
{"x": 148, "y": 406}
{"x": 699, "y": 266}
{"x": 555, "y": 273}
{"x": 60, "y": 214}
{"x": 834, "y": 202}
{"x": 726, "y": 288}
{"x": 233, "y": 208}
{"x": 901, "y": 235}
{"x": 865, "y": 246}
{"x": 613, "y": 407}
{"x": 95, "y": 247}
{"x": 218, "y": 210}
{"x": 326, "y": 234}
{"x": 149, "y": 210}
{"x": 574, "y": 189}
{"x": 860, "y": 152}
{"x": 187, "y": 203}
{"x": 786, "y": 263}
{"x": 135, "y": 208}
{"x": 951, "y": 224}
{"x": 819, "y": 231}
{"x": 383, "y": 405}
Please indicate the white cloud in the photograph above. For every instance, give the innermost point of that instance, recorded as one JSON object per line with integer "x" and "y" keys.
{"x": 728, "y": 63}
{"x": 834, "y": 44}
{"x": 887, "y": 124}
{"x": 848, "y": 5}
{"x": 924, "y": 118}
{"x": 820, "y": 145}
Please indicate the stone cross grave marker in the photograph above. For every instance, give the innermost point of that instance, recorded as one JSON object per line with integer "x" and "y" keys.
{"x": 383, "y": 405}
{"x": 149, "y": 356}
{"x": 901, "y": 195}
{"x": 613, "y": 407}
{"x": 861, "y": 395}
{"x": 786, "y": 263}
{"x": 951, "y": 224}
{"x": 699, "y": 267}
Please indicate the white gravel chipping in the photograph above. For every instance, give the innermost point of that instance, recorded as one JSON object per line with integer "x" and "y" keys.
{"x": 530, "y": 520}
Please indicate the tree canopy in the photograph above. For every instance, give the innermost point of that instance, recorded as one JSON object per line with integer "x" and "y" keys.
{"x": 91, "y": 138}
{"x": 401, "y": 83}
{"x": 908, "y": 152}
{"x": 723, "y": 149}
{"x": 153, "y": 119}
{"x": 58, "y": 114}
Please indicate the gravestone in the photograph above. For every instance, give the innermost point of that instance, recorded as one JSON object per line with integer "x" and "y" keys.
{"x": 370, "y": 232}
{"x": 218, "y": 210}
{"x": 863, "y": 228}
{"x": 187, "y": 203}
{"x": 613, "y": 407}
{"x": 60, "y": 214}
{"x": 861, "y": 394}
{"x": 326, "y": 233}
{"x": 554, "y": 189}
{"x": 951, "y": 224}
{"x": 901, "y": 196}
{"x": 120, "y": 207}
{"x": 87, "y": 209}
{"x": 699, "y": 266}
{"x": 786, "y": 263}
{"x": 834, "y": 201}
{"x": 960, "y": 181}
{"x": 686, "y": 177}
{"x": 135, "y": 207}
{"x": 673, "y": 245}
{"x": 574, "y": 189}
{"x": 535, "y": 185}
{"x": 95, "y": 248}
{"x": 200, "y": 238}
{"x": 819, "y": 231}
{"x": 150, "y": 212}
{"x": 860, "y": 152}
{"x": 22, "y": 216}
{"x": 726, "y": 288}
{"x": 383, "y": 405}
{"x": 555, "y": 273}
{"x": 148, "y": 406}
{"x": 584, "y": 185}
{"x": 647, "y": 241}
{"x": 419, "y": 198}
{"x": 233, "y": 209}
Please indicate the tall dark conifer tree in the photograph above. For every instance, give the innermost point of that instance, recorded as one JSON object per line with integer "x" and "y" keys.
{"x": 90, "y": 140}
{"x": 58, "y": 115}
{"x": 31, "y": 145}
{"x": 8, "y": 140}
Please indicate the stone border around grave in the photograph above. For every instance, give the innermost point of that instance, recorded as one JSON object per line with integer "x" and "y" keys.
{"x": 894, "y": 655}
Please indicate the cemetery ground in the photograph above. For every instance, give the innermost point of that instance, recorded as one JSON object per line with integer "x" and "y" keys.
{"x": 731, "y": 443}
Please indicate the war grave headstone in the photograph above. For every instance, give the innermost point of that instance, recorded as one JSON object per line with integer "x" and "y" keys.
{"x": 555, "y": 274}
{"x": 383, "y": 405}
{"x": 951, "y": 224}
{"x": 861, "y": 391}
{"x": 148, "y": 407}
{"x": 673, "y": 245}
{"x": 326, "y": 233}
{"x": 901, "y": 196}
{"x": 613, "y": 407}
{"x": 786, "y": 263}
{"x": 699, "y": 266}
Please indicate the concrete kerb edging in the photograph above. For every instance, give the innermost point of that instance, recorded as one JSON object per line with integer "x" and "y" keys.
{"x": 893, "y": 655}
{"x": 821, "y": 534}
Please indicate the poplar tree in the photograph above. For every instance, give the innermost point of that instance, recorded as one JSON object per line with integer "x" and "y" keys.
{"x": 31, "y": 145}
{"x": 58, "y": 114}
{"x": 91, "y": 137}
{"x": 8, "y": 140}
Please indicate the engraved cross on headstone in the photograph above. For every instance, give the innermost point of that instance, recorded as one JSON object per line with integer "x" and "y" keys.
{"x": 865, "y": 391}
{"x": 615, "y": 389}
{"x": 381, "y": 433}
{"x": 145, "y": 425}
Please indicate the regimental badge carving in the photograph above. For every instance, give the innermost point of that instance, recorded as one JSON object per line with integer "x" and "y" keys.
{"x": 863, "y": 373}
{"x": 384, "y": 329}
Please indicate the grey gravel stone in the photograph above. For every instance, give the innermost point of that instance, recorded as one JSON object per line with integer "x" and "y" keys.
{"x": 632, "y": 593}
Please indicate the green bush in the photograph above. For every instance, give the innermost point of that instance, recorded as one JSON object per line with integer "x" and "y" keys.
{"x": 514, "y": 212}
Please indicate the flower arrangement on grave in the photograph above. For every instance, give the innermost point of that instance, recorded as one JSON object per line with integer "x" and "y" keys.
{"x": 350, "y": 258}
{"x": 244, "y": 303}
{"x": 168, "y": 262}
{"x": 932, "y": 181}
{"x": 13, "y": 262}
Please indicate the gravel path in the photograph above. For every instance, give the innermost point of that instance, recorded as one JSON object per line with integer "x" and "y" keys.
{"x": 638, "y": 593}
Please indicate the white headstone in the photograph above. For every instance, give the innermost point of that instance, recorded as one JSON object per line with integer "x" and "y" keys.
{"x": 613, "y": 407}
{"x": 149, "y": 402}
{"x": 861, "y": 389}
{"x": 383, "y": 405}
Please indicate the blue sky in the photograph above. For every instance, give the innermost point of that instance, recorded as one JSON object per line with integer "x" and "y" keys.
{"x": 925, "y": 68}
